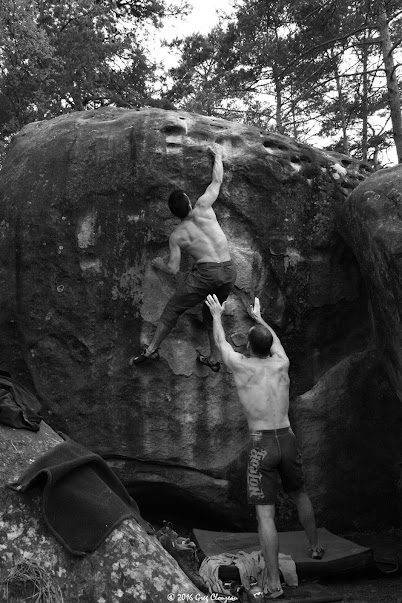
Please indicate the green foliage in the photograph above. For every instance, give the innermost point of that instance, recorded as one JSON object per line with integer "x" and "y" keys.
{"x": 26, "y": 58}
{"x": 57, "y": 56}
{"x": 302, "y": 67}
{"x": 205, "y": 63}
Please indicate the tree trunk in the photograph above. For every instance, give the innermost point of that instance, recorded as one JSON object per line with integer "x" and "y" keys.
{"x": 77, "y": 96}
{"x": 365, "y": 103}
{"x": 278, "y": 99}
{"x": 392, "y": 82}
{"x": 341, "y": 109}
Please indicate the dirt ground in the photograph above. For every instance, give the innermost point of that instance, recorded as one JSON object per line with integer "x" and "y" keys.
{"x": 367, "y": 589}
{"x": 371, "y": 586}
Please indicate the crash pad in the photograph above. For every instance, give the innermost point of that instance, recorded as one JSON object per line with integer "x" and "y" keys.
{"x": 341, "y": 555}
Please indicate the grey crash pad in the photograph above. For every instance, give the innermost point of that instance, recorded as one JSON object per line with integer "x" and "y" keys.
{"x": 341, "y": 555}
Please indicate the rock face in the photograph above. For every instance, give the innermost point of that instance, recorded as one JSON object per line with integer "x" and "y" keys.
{"x": 373, "y": 227}
{"x": 347, "y": 426}
{"x": 128, "y": 567}
{"x": 83, "y": 212}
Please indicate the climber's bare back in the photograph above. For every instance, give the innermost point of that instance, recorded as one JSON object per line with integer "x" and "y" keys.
{"x": 201, "y": 236}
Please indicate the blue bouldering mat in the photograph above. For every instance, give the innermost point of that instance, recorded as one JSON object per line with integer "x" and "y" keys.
{"x": 341, "y": 555}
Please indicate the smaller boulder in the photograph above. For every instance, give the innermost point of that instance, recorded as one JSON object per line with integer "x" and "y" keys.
{"x": 130, "y": 566}
{"x": 372, "y": 225}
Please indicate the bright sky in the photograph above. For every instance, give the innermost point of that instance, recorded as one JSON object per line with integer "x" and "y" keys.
{"x": 202, "y": 19}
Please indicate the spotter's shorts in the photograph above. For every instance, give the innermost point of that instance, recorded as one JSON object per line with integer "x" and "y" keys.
{"x": 273, "y": 452}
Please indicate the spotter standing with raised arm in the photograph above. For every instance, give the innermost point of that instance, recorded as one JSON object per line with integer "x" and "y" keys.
{"x": 262, "y": 383}
{"x": 200, "y": 235}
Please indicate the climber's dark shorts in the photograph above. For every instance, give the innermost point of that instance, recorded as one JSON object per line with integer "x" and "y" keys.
{"x": 273, "y": 452}
{"x": 204, "y": 279}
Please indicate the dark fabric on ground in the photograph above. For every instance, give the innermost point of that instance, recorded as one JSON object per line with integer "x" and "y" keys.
{"x": 18, "y": 407}
{"x": 82, "y": 500}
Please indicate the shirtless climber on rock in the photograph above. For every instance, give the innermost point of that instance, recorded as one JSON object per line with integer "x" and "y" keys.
{"x": 200, "y": 235}
{"x": 262, "y": 383}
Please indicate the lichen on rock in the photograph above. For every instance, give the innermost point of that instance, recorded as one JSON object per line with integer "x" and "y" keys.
{"x": 129, "y": 565}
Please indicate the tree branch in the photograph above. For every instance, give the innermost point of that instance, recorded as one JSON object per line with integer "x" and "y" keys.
{"x": 76, "y": 18}
{"x": 327, "y": 43}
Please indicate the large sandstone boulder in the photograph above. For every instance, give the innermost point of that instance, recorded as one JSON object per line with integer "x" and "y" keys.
{"x": 83, "y": 212}
{"x": 373, "y": 227}
{"x": 129, "y": 566}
